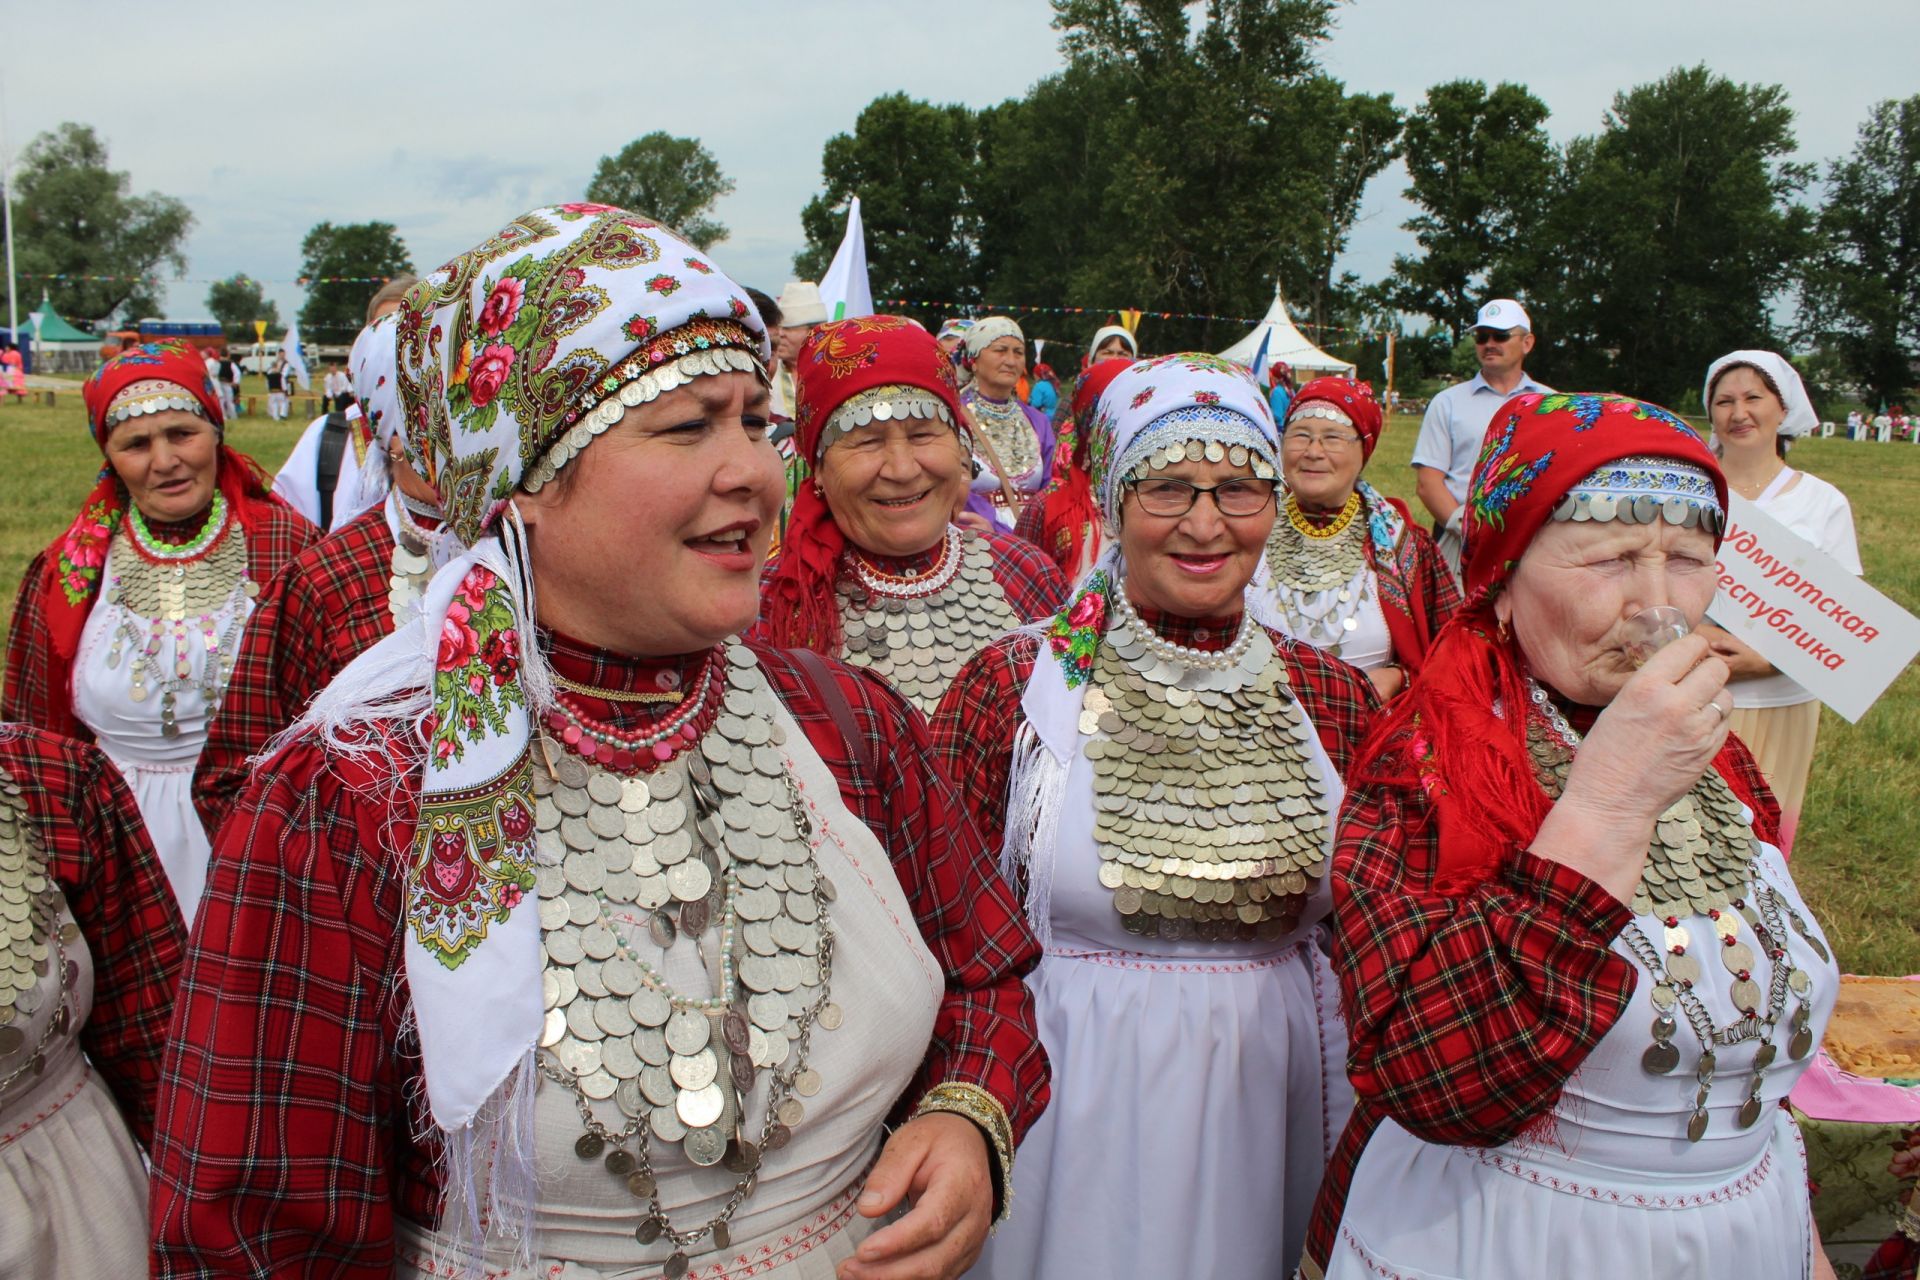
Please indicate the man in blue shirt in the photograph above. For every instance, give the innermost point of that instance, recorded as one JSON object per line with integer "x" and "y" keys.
{"x": 1457, "y": 419}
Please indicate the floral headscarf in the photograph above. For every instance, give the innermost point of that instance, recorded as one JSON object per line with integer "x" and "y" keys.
{"x": 151, "y": 377}
{"x": 376, "y": 388}
{"x": 1149, "y": 409}
{"x": 840, "y": 360}
{"x": 518, "y": 352}
{"x": 1459, "y": 733}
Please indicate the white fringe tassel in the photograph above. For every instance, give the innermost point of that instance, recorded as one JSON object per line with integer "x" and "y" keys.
{"x": 1034, "y": 797}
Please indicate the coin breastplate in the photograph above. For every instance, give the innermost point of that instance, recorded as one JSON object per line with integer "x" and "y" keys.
{"x": 40, "y": 998}
{"x": 700, "y": 870}
{"x": 1210, "y": 814}
{"x": 1012, "y": 434}
{"x": 918, "y": 634}
{"x": 162, "y": 607}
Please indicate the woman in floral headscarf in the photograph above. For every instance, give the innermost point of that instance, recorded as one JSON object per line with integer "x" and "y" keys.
{"x": 125, "y": 628}
{"x": 566, "y": 934}
{"x": 1020, "y": 436}
{"x": 1161, "y": 774}
{"x": 1578, "y": 980}
{"x": 338, "y": 597}
{"x": 875, "y": 573}
{"x": 1346, "y": 568}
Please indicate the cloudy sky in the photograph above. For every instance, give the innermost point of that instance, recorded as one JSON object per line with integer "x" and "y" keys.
{"x": 445, "y": 118}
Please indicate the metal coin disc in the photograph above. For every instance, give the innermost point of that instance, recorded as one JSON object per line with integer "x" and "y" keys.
{"x": 687, "y": 1033}
{"x": 698, "y": 1108}
{"x": 1660, "y": 1059}
{"x": 705, "y": 1146}
{"x": 695, "y": 1071}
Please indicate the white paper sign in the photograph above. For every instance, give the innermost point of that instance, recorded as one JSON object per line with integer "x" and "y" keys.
{"x": 1803, "y": 612}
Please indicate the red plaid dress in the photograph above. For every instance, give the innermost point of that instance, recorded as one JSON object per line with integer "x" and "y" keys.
{"x": 40, "y": 692}
{"x": 1466, "y": 1015}
{"x": 290, "y": 1108}
{"x": 97, "y": 850}
{"x": 324, "y": 609}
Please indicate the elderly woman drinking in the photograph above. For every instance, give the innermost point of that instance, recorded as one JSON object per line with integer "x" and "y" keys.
{"x": 125, "y": 628}
{"x": 1578, "y": 979}
{"x": 1162, "y": 773}
{"x": 568, "y": 935}
{"x": 875, "y": 574}
{"x": 1346, "y": 568}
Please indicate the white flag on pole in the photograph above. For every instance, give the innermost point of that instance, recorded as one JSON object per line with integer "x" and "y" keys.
{"x": 296, "y": 358}
{"x": 845, "y": 288}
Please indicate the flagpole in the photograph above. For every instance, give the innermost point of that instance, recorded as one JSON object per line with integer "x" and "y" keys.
{"x": 6, "y": 192}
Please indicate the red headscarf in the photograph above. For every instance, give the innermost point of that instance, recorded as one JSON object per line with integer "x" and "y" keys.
{"x": 1351, "y": 397}
{"x": 839, "y": 360}
{"x": 75, "y": 559}
{"x": 1444, "y": 735}
{"x": 1070, "y": 518}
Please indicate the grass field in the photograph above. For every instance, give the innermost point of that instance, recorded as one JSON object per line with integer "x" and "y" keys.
{"x": 1858, "y": 857}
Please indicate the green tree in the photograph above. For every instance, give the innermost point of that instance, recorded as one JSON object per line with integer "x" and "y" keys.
{"x": 1674, "y": 232}
{"x": 74, "y": 216}
{"x": 1481, "y": 168}
{"x": 672, "y": 180}
{"x": 237, "y": 302}
{"x": 913, "y": 166}
{"x": 342, "y": 266}
{"x": 1861, "y": 298}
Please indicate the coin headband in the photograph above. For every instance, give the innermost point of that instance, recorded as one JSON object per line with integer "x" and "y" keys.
{"x": 885, "y": 404}
{"x": 1198, "y": 423}
{"x": 1640, "y": 490}
{"x": 144, "y": 398}
{"x": 639, "y": 389}
{"x": 1320, "y": 409}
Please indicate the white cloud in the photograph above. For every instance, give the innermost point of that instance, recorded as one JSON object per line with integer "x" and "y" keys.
{"x": 446, "y": 118}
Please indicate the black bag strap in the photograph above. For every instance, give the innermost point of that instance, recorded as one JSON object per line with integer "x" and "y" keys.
{"x": 839, "y": 710}
{"x": 333, "y": 444}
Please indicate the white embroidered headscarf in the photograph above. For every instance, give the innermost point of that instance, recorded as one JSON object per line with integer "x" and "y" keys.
{"x": 376, "y": 388}
{"x": 984, "y": 333}
{"x": 511, "y": 359}
{"x": 1784, "y": 378}
{"x": 1106, "y": 331}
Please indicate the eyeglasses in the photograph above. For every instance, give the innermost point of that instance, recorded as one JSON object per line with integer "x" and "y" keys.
{"x": 1486, "y": 337}
{"x": 1245, "y": 496}
{"x": 1331, "y": 441}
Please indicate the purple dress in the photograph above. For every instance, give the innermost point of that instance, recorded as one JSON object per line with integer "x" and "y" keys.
{"x": 1025, "y": 442}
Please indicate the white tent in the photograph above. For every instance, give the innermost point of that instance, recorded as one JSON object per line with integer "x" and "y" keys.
{"x": 1283, "y": 342}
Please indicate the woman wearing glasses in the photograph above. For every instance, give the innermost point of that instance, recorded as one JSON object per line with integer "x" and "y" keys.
{"x": 1346, "y": 569}
{"x": 1161, "y": 773}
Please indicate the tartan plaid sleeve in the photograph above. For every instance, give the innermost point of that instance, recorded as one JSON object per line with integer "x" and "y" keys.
{"x": 1431, "y": 578}
{"x": 986, "y": 1033}
{"x": 1742, "y": 773}
{"x": 283, "y": 1137}
{"x": 36, "y": 693}
{"x": 1033, "y": 583}
{"x": 327, "y": 605}
{"x": 1466, "y": 1014}
{"x": 97, "y": 849}
{"x": 975, "y": 724}
{"x": 1338, "y": 698}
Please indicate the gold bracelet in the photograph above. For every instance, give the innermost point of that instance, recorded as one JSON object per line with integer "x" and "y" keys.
{"x": 976, "y": 1104}
{"x": 616, "y": 695}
